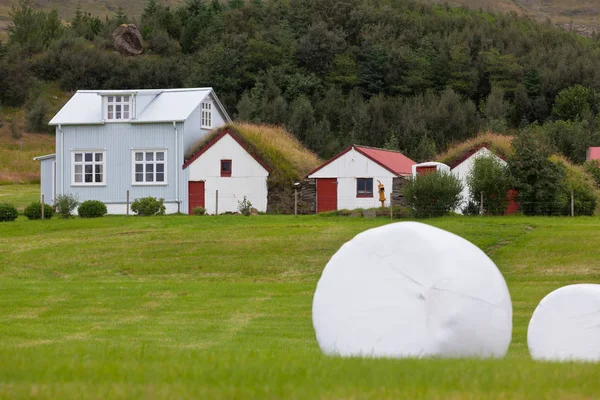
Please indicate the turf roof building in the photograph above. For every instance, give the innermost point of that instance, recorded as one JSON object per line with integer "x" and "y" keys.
{"x": 113, "y": 142}
{"x": 350, "y": 179}
{"x": 222, "y": 172}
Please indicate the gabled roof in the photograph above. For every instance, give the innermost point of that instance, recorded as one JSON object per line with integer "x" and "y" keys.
{"x": 472, "y": 151}
{"x": 168, "y": 105}
{"x": 394, "y": 161}
{"x": 213, "y": 141}
{"x": 593, "y": 153}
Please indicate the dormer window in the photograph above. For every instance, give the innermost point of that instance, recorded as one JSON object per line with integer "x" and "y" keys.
{"x": 206, "y": 115}
{"x": 118, "y": 108}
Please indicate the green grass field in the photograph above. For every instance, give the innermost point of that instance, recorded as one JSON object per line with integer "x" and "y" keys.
{"x": 220, "y": 307}
{"x": 20, "y": 196}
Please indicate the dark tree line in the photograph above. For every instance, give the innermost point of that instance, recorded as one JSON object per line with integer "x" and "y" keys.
{"x": 394, "y": 73}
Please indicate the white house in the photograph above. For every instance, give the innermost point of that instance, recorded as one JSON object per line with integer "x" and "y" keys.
{"x": 462, "y": 167}
{"x": 115, "y": 144}
{"x": 350, "y": 179}
{"x": 223, "y": 170}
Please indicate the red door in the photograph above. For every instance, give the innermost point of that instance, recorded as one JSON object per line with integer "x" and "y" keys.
{"x": 426, "y": 170}
{"x": 326, "y": 194}
{"x": 195, "y": 195}
{"x": 513, "y": 206}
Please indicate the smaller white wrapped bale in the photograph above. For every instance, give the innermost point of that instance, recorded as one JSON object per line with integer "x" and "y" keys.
{"x": 411, "y": 290}
{"x": 565, "y": 326}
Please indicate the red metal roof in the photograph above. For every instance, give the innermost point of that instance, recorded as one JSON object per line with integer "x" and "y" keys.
{"x": 594, "y": 153}
{"x": 393, "y": 161}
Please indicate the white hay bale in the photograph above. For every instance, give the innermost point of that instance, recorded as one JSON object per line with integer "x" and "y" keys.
{"x": 411, "y": 290}
{"x": 566, "y": 325}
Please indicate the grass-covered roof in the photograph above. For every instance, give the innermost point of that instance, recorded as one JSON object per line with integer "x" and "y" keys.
{"x": 499, "y": 144}
{"x": 287, "y": 159}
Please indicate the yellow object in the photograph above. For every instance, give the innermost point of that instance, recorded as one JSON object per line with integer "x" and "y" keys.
{"x": 381, "y": 190}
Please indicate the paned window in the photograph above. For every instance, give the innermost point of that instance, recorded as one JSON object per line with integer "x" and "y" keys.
{"x": 150, "y": 167}
{"x": 225, "y": 168}
{"x": 364, "y": 187}
{"x": 89, "y": 167}
{"x": 118, "y": 108}
{"x": 207, "y": 115}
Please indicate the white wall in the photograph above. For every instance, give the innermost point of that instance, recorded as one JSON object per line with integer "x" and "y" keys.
{"x": 121, "y": 208}
{"x": 462, "y": 171}
{"x": 248, "y": 177}
{"x": 346, "y": 169}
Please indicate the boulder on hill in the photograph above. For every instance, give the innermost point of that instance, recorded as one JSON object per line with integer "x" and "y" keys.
{"x": 128, "y": 40}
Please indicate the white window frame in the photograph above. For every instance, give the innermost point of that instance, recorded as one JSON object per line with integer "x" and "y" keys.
{"x": 206, "y": 115}
{"x": 144, "y": 162}
{"x": 122, "y": 103}
{"x": 84, "y": 163}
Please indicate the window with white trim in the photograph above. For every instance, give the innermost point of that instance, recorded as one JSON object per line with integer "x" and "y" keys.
{"x": 118, "y": 108}
{"x": 150, "y": 167}
{"x": 206, "y": 115}
{"x": 89, "y": 167}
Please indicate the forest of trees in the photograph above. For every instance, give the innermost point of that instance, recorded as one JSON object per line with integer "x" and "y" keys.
{"x": 388, "y": 73}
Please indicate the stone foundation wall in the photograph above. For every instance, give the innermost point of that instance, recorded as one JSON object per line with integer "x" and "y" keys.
{"x": 280, "y": 200}
{"x": 398, "y": 192}
{"x": 307, "y": 196}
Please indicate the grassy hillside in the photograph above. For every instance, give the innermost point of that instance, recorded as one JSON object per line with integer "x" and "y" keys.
{"x": 579, "y": 15}
{"x": 583, "y": 16}
{"x": 220, "y": 307}
{"x": 66, "y": 8}
{"x": 16, "y": 162}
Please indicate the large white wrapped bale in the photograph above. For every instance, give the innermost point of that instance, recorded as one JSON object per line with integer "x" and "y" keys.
{"x": 566, "y": 325}
{"x": 411, "y": 290}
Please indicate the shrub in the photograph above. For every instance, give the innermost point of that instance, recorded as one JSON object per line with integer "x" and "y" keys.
{"x": 593, "y": 169}
{"x": 199, "y": 210}
{"x": 538, "y": 180}
{"x": 36, "y": 115}
{"x": 433, "y": 195}
{"x": 490, "y": 177}
{"x": 147, "y": 206}
{"x": 245, "y": 206}
{"x": 92, "y": 209}
{"x": 34, "y": 211}
{"x": 8, "y": 212}
{"x": 578, "y": 181}
{"x": 65, "y": 204}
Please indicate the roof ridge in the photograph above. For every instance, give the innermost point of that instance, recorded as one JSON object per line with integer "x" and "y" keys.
{"x": 378, "y": 148}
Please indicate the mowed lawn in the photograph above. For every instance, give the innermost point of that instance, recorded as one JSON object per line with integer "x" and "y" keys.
{"x": 20, "y": 195}
{"x": 220, "y": 307}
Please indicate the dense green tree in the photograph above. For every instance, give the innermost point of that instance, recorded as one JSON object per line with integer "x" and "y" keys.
{"x": 574, "y": 102}
{"x": 539, "y": 182}
{"x": 433, "y": 195}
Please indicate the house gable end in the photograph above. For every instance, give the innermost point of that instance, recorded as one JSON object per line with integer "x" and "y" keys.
{"x": 215, "y": 140}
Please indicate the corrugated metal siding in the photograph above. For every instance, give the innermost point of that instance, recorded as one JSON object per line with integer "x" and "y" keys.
{"x": 118, "y": 140}
{"x": 46, "y": 180}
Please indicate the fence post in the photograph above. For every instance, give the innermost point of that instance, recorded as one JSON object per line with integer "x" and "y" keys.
{"x": 391, "y": 211}
{"x": 481, "y": 205}
{"x": 127, "y": 213}
{"x": 296, "y": 201}
{"x": 217, "y": 202}
{"x": 43, "y": 204}
{"x": 572, "y": 204}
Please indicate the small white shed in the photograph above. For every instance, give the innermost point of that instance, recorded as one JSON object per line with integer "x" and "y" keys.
{"x": 349, "y": 180}
{"x": 429, "y": 166}
{"x": 222, "y": 172}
